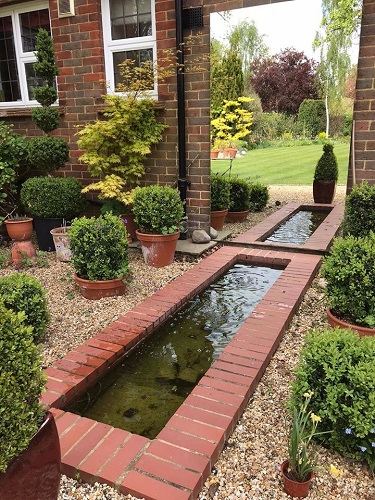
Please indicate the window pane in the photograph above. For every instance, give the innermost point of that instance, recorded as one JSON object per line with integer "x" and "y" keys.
{"x": 9, "y": 83}
{"x": 32, "y": 80}
{"x": 130, "y": 18}
{"x": 30, "y": 23}
{"x": 138, "y": 56}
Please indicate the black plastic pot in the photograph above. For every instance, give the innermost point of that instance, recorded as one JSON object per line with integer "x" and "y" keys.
{"x": 43, "y": 235}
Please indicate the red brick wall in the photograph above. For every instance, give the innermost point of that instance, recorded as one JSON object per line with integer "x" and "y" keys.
{"x": 79, "y": 50}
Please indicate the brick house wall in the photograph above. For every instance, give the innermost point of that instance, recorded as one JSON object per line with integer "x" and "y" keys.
{"x": 79, "y": 50}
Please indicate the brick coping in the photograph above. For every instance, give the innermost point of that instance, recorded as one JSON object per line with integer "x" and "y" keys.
{"x": 319, "y": 242}
{"x": 175, "y": 465}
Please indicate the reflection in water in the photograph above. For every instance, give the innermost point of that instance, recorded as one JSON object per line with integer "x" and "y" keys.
{"x": 298, "y": 229}
{"x": 143, "y": 392}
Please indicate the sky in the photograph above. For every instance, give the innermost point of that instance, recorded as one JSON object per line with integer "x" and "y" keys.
{"x": 285, "y": 24}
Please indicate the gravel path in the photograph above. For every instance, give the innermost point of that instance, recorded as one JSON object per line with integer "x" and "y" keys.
{"x": 248, "y": 468}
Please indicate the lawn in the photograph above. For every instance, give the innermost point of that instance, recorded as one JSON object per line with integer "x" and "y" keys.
{"x": 286, "y": 165}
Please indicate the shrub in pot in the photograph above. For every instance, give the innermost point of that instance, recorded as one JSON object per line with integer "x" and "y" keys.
{"x": 124, "y": 211}
{"x": 220, "y": 200}
{"x": 100, "y": 255}
{"x": 349, "y": 272}
{"x": 29, "y": 448}
{"x": 338, "y": 367}
{"x": 52, "y": 198}
{"x": 325, "y": 176}
{"x": 259, "y": 196}
{"x": 158, "y": 212}
{"x": 359, "y": 216}
{"x": 22, "y": 292}
{"x": 239, "y": 203}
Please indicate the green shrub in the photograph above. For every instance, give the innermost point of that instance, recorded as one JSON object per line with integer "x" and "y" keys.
{"x": 53, "y": 197}
{"x": 311, "y": 116}
{"x": 326, "y": 168}
{"x": 259, "y": 196}
{"x": 158, "y": 209}
{"x": 45, "y": 69}
{"x": 46, "y": 118}
{"x": 271, "y": 126}
{"x": 47, "y": 154}
{"x": 359, "y": 217}
{"x": 21, "y": 292}
{"x": 339, "y": 367}
{"x": 21, "y": 384}
{"x": 220, "y": 193}
{"x": 349, "y": 271}
{"x": 100, "y": 247}
{"x": 239, "y": 194}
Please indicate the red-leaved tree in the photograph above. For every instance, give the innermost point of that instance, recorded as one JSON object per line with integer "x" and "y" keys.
{"x": 284, "y": 80}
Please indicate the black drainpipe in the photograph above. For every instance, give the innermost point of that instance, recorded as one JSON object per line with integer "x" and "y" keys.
{"x": 182, "y": 182}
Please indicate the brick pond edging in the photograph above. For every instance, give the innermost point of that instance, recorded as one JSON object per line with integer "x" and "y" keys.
{"x": 175, "y": 465}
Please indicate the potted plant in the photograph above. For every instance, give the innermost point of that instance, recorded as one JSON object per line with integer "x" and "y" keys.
{"x": 51, "y": 200}
{"x": 158, "y": 212}
{"x": 20, "y": 231}
{"x": 100, "y": 256}
{"x": 125, "y": 212}
{"x": 259, "y": 196}
{"x": 220, "y": 200}
{"x": 359, "y": 216}
{"x": 29, "y": 449}
{"x": 298, "y": 470}
{"x": 349, "y": 273}
{"x": 239, "y": 203}
{"x": 325, "y": 176}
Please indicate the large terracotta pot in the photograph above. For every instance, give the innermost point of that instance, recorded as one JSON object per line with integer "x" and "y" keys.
{"x": 324, "y": 191}
{"x": 130, "y": 224}
{"x": 361, "y": 330}
{"x": 294, "y": 488}
{"x": 22, "y": 249}
{"x": 214, "y": 154}
{"x": 20, "y": 230}
{"x": 218, "y": 219}
{"x": 158, "y": 249}
{"x": 237, "y": 216}
{"x": 94, "y": 290}
{"x": 61, "y": 241}
{"x": 35, "y": 474}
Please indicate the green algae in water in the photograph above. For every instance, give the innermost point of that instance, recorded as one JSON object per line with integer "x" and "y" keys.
{"x": 298, "y": 229}
{"x": 142, "y": 393}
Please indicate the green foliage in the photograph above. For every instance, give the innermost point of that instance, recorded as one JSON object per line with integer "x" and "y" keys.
{"x": 359, "y": 217}
{"x": 327, "y": 168}
{"x": 338, "y": 367}
{"x": 271, "y": 126}
{"x": 350, "y": 275}
{"x": 239, "y": 194}
{"x": 46, "y": 96}
{"x": 259, "y": 196}
{"x": 46, "y": 118}
{"x": 227, "y": 81}
{"x": 113, "y": 206}
{"x": 21, "y": 292}
{"x": 100, "y": 247}
{"x": 311, "y": 116}
{"x": 234, "y": 121}
{"x": 47, "y": 154}
{"x": 158, "y": 209}
{"x": 220, "y": 193}
{"x": 45, "y": 66}
{"x": 21, "y": 384}
{"x": 53, "y": 197}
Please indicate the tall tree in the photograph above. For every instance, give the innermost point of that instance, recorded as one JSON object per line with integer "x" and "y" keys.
{"x": 341, "y": 15}
{"x": 284, "y": 80}
{"x": 245, "y": 40}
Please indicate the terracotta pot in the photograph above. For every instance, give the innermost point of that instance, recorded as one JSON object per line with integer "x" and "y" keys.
{"x": 218, "y": 218}
{"x": 237, "y": 216}
{"x": 130, "y": 224}
{"x": 294, "y": 488}
{"x": 158, "y": 249}
{"x": 36, "y": 472}
{"x": 230, "y": 152}
{"x": 214, "y": 154}
{"x": 22, "y": 249}
{"x": 324, "y": 191}
{"x": 361, "y": 330}
{"x": 94, "y": 290}
{"x": 20, "y": 230}
{"x": 61, "y": 241}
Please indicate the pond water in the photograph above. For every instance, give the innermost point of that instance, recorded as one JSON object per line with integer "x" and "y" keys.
{"x": 298, "y": 228}
{"x": 142, "y": 393}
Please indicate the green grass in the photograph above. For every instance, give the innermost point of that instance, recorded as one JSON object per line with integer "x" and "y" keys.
{"x": 286, "y": 165}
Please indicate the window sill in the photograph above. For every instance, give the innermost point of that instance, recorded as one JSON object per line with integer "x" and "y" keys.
{"x": 22, "y": 112}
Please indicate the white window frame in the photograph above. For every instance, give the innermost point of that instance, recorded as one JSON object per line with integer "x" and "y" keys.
{"x": 123, "y": 45}
{"x": 22, "y": 57}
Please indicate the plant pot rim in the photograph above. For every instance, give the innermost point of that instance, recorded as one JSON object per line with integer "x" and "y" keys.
{"x": 285, "y": 464}
{"x": 333, "y": 320}
{"x": 138, "y": 231}
{"x": 18, "y": 221}
{"x": 84, "y": 280}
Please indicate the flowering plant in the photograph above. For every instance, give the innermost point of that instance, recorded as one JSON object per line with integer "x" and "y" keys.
{"x": 302, "y": 460}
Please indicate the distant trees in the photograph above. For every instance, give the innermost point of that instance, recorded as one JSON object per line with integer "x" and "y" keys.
{"x": 284, "y": 80}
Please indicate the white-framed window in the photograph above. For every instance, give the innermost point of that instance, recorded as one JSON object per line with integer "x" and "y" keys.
{"x": 128, "y": 33}
{"x": 19, "y": 25}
